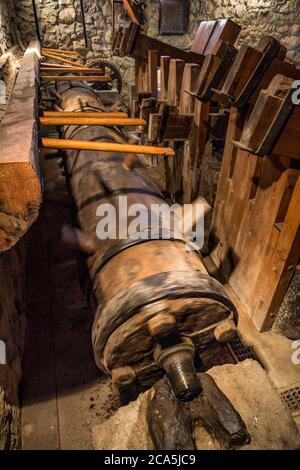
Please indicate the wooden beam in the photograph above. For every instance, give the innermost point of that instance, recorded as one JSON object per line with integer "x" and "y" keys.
{"x": 75, "y": 78}
{"x": 80, "y": 121}
{"x": 77, "y": 114}
{"x": 20, "y": 184}
{"x": 202, "y": 36}
{"x": 225, "y": 30}
{"x": 106, "y": 147}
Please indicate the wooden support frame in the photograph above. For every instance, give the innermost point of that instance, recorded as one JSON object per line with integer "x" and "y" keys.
{"x": 255, "y": 235}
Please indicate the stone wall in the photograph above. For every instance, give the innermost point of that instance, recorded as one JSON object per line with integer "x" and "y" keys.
{"x": 5, "y": 26}
{"x": 60, "y": 24}
{"x": 279, "y": 18}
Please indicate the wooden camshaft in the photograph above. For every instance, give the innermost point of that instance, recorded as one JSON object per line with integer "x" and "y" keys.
{"x": 149, "y": 295}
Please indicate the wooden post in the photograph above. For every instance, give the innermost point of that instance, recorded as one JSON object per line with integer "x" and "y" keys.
{"x": 152, "y": 72}
{"x": 190, "y": 76}
{"x": 164, "y": 76}
{"x": 175, "y": 81}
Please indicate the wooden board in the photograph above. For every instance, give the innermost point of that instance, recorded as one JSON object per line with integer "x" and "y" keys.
{"x": 20, "y": 185}
{"x": 209, "y": 32}
{"x": 175, "y": 81}
{"x": 274, "y": 124}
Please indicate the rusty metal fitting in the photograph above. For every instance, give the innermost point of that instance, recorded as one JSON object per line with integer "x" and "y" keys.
{"x": 178, "y": 362}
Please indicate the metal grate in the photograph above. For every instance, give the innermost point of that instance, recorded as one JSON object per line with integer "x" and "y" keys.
{"x": 240, "y": 351}
{"x": 291, "y": 398}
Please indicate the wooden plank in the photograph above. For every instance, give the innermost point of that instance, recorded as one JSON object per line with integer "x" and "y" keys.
{"x": 20, "y": 185}
{"x": 240, "y": 72}
{"x": 175, "y": 81}
{"x": 202, "y": 36}
{"x": 190, "y": 76}
{"x": 178, "y": 126}
{"x": 152, "y": 73}
{"x": 164, "y": 76}
{"x": 225, "y": 30}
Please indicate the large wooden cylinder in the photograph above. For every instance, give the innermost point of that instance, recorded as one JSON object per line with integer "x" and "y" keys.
{"x": 137, "y": 282}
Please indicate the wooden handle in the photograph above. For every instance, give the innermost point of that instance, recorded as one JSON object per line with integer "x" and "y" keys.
{"x": 91, "y": 121}
{"x": 106, "y": 147}
{"x": 84, "y": 114}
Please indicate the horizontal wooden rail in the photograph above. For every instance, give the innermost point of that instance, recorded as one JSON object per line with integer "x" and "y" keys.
{"x": 90, "y": 121}
{"x": 62, "y": 59}
{"x": 76, "y": 78}
{"x": 71, "y": 69}
{"x": 60, "y": 51}
{"x": 105, "y": 147}
{"x": 61, "y": 66}
{"x": 84, "y": 114}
